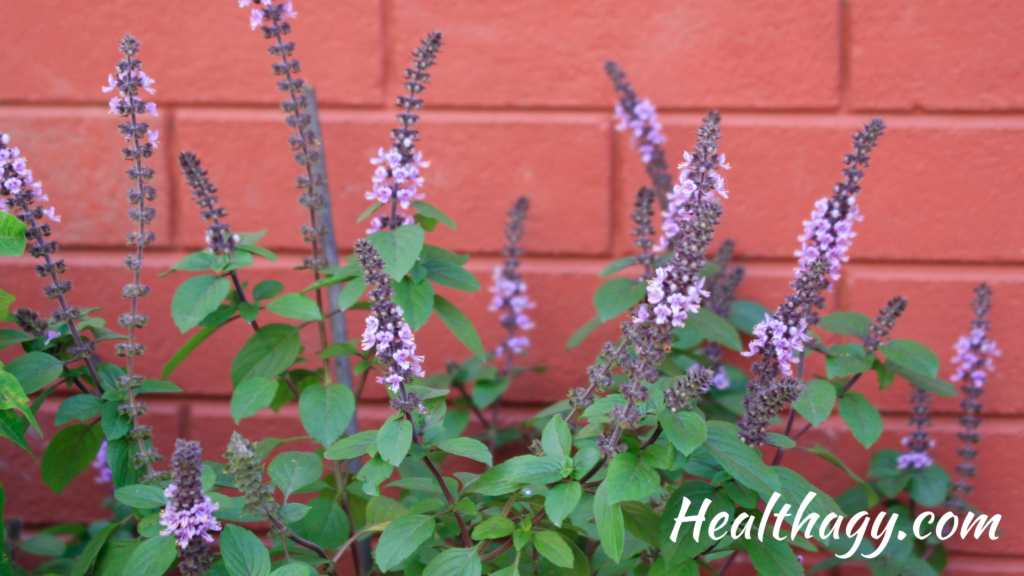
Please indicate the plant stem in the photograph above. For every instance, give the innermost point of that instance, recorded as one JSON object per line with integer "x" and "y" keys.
{"x": 466, "y": 540}
{"x": 479, "y": 414}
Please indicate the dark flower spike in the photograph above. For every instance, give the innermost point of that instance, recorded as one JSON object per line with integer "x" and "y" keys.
{"x": 641, "y": 118}
{"x": 244, "y": 465}
{"x": 189, "y": 513}
{"x": 22, "y": 195}
{"x": 780, "y": 338}
{"x": 129, "y": 104}
{"x": 643, "y": 210}
{"x": 218, "y": 234}
{"x": 387, "y": 331}
{"x": 722, "y": 287}
{"x": 272, "y": 20}
{"x": 884, "y": 323}
{"x": 397, "y": 180}
{"x": 974, "y": 359}
{"x": 688, "y": 390}
{"x": 673, "y": 293}
{"x": 509, "y": 289}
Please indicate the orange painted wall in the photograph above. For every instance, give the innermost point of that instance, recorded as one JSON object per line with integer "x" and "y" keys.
{"x": 519, "y": 104}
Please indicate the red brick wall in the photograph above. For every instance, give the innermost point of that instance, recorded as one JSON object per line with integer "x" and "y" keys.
{"x": 519, "y": 104}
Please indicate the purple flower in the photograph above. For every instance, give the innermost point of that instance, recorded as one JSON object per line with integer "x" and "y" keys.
{"x": 396, "y": 178}
{"x": 386, "y": 332}
{"x": 641, "y": 119}
{"x": 509, "y": 288}
{"x": 104, "y": 475}
{"x": 188, "y": 514}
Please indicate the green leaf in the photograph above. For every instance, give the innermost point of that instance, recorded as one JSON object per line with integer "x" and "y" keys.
{"x": 741, "y": 461}
{"x": 458, "y": 324}
{"x": 339, "y": 349}
{"x": 926, "y": 383}
{"x": 244, "y": 554}
{"x": 269, "y": 352}
{"x": 12, "y": 396}
{"x": 431, "y": 212}
{"x": 617, "y": 266}
{"x": 780, "y": 441}
{"x": 251, "y": 396}
{"x": 249, "y": 311}
{"x": 258, "y": 250}
{"x": 187, "y": 349}
{"x": 450, "y": 274}
{"x": 35, "y": 370}
{"x": 561, "y": 501}
{"x": 581, "y": 334}
{"x": 399, "y": 248}
{"x": 714, "y": 328}
{"x": 12, "y": 235}
{"x": 5, "y": 306}
{"x": 197, "y": 297}
{"x": 366, "y": 213}
{"x": 685, "y": 546}
{"x": 326, "y": 524}
{"x": 485, "y": 392}
{"x": 69, "y": 454}
{"x": 46, "y": 545}
{"x": 291, "y": 471}
{"x": 911, "y": 355}
{"x": 115, "y": 425}
{"x": 686, "y": 430}
{"x": 431, "y": 252}
{"x": 847, "y": 360}
{"x": 556, "y": 440}
{"x": 12, "y": 428}
{"x": 772, "y": 557}
{"x": 416, "y": 300}
{"x": 617, "y": 296}
{"x": 630, "y": 478}
{"x": 267, "y": 289}
{"x": 794, "y": 488}
{"x": 929, "y": 486}
{"x": 401, "y": 538}
{"x": 295, "y": 306}
{"x": 9, "y": 337}
{"x": 467, "y": 448}
{"x": 295, "y": 569}
{"x": 88, "y": 556}
{"x": 79, "y": 407}
{"x": 816, "y": 401}
{"x": 326, "y": 411}
{"x": 455, "y": 562}
{"x": 745, "y": 314}
{"x": 114, "y": 556}
{"x": 610, "y": 528}
{"x": 141, "y": 496}
{"x": 292, "y": 512}
{"x": 494, "y": 528}
{"x": 154, "y": 556}
{"x": 863, "y": 419}
{"x": 202, "y": 261}
{"x": 394, "y": 440}
{"x": 351, "y": 293}
{"x": 352, "y": 446}
{"x": 553, "y": 547}
{"x": 641, "y": 521}
{"x": 846, "y": 323}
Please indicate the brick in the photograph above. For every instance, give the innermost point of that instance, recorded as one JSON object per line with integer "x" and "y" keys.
{"x": 912, "y": 211}
{"x": 996, "y": 486}
{"x": 76, "y": 154}
{"x": 473, "y": 183}
{"x": 31, "y": 500}
{"x": 938, "y": 313}
{"x": 935, "y": 55}
{"x": 338, "y": 45}
{"x": 539, "y": 53}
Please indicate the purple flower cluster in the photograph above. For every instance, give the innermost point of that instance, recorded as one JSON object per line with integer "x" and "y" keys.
{"x": 974, "y": 354}
{"x": 387, "y": 332}
{"x": 673, "y": 293}
{"x": 396, "y": 179}
{"x": 918, "y": 442}
{"x": 683, "y": 193}
{"x": 18, "y": 180}
{"x": 829, "y": 232}
{"x": 272, "y": 20}
{"x": 641, "y": 118}
{"x": 189, "y": 513}
{"x": 509, "y": 288}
